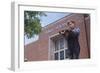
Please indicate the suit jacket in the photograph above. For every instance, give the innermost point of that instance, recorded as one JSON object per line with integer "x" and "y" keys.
{"x": 73, "y": 40}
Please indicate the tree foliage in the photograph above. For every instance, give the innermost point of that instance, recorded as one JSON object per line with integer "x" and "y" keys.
{"x": 32, "y": 25}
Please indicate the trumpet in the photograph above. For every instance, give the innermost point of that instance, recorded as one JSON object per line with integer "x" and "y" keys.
{"x": 65, "y": 30}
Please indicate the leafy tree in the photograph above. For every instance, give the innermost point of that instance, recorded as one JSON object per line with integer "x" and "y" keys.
{"x": 32, "y": 25}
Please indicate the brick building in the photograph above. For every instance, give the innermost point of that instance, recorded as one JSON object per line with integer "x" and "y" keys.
{"x": 47, "y": 47}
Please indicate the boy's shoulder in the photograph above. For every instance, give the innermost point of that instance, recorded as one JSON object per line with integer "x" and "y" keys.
{"x": 76, "y": 29}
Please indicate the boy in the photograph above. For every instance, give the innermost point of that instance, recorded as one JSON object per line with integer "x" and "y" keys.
{"x": 72, "y": 35}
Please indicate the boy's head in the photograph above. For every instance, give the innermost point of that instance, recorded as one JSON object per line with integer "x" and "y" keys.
{"x": 71, "y": 24}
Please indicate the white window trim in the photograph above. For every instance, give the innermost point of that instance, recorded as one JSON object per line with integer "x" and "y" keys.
{"x": 59, "y": 50}
{"x": 65, "y": 47}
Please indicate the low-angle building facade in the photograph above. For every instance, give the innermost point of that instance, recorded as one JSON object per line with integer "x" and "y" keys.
{"x": 52, "y": 46}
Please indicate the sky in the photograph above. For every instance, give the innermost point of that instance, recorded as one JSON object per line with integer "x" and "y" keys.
{"x": 46, "y": 20}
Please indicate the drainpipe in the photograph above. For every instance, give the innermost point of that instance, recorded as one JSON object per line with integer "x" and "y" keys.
{"x": 86, "y": 15}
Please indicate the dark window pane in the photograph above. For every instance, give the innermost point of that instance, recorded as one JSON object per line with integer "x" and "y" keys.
{"x": 67, "y": 53}
{"x": 56, "y": 56}
{"x": 62, "y": 43}
{"x": 56, "y": 45}
{"x": 61, "y": 55}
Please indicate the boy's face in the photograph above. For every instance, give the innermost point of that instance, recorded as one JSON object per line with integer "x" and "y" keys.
{"x": 71, "y": 25}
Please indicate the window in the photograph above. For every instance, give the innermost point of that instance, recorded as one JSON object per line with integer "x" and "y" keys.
{"x": 56, "y": 45}
{"x": 61, "y": 43}
{"x": 61, "y": 51}
{"x": 56, "y": 56}
{"x": 61, "y": 55}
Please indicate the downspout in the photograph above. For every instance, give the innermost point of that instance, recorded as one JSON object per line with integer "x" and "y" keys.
{"x": 86, "y": 36}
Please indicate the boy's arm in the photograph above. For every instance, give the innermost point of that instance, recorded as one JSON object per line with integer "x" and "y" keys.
{"x": 65, "y": 32}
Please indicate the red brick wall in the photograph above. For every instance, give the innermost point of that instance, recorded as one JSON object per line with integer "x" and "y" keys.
{"x": 39, "y": 50}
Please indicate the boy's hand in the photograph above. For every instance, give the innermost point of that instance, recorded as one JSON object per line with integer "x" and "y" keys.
{"x": 62, "y": 32}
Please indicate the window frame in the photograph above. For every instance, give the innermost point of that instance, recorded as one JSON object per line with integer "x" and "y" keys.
{"x": 59, "y": 48}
